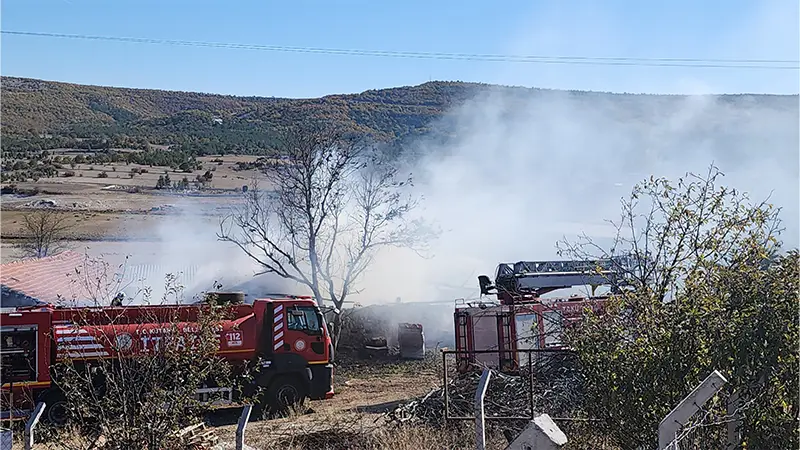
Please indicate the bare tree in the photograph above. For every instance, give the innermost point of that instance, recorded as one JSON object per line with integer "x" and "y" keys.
{"x": 334, "y": 203}
{"x": 45, "y": 231}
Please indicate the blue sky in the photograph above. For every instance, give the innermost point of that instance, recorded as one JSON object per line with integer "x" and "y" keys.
{"x": 730, "y": 29}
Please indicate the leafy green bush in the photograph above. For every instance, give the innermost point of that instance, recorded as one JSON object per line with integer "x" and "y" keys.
{"x": 710, "y": 290}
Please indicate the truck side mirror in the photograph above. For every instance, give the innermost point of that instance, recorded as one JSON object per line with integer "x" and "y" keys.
{"x": 485, "y": 284}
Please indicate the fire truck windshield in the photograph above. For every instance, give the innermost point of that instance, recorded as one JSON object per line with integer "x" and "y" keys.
{"x": 304, "y": 318}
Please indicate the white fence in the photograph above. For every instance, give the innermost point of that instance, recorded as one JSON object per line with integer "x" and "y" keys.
{"x": 705, "y": 419}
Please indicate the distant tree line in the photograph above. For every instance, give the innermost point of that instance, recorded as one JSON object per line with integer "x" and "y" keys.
{"x": 24, "y": 145}
{"x": 165, "y": 182}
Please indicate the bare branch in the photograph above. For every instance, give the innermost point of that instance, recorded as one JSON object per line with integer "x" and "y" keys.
{"x": 45, "y": 232}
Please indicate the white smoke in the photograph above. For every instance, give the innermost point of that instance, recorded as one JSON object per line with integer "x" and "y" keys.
{"x": 187, "y": 248}
{"x": 526, "y": 168}
{"x": 529, "y": 167}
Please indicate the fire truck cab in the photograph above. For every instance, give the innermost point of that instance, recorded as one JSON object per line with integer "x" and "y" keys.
{"x": 285, "y": 338}
{"x": 490, "y": 333}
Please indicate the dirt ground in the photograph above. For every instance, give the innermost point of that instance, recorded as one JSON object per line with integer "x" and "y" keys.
{"x": 362, "y": 397}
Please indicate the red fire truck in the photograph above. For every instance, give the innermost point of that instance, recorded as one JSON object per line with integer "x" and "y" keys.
{"x": 489, "y": 334}
{"x": 286, "y": 338}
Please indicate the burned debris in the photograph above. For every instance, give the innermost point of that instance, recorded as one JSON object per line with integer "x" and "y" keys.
{"x": 368, "y": 334}
{"x": 511, "y": 400}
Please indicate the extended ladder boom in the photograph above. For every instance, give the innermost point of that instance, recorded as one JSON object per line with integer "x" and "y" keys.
{"x": 539, "y": 277}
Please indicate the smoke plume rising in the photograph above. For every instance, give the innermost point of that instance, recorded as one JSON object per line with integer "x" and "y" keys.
{"x": 528, "y": 167}
{"x": 187, "y": 247}
{"x": 524, "y": 168}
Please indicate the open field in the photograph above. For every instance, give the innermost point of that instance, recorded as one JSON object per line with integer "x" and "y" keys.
{"x": 86, "y": 178}
{"x": 121, "y": 207}
{"x": 121, "y": 227}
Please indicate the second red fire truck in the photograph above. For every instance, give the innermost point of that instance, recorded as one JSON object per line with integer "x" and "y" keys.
{"x": 490, "y": 334}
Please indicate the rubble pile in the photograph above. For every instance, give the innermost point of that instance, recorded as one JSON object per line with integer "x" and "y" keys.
{"x": 506, "y": 396}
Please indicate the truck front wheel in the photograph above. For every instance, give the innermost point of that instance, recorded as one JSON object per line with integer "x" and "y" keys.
{"x": 56, "y": 411}
{"x": 285, "y": 393}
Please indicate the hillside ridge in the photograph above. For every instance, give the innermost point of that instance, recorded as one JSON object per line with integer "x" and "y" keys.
{"x": 207, "y": 122}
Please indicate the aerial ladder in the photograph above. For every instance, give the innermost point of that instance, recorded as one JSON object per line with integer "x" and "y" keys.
{"x": 527, "y": 281}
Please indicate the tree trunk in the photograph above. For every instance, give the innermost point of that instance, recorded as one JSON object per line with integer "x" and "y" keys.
{"x": 337, "y": 330}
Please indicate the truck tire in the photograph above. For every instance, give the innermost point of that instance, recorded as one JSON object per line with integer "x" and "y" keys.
{"x": 56, "y": 411}
{"x": 285, "y": 393}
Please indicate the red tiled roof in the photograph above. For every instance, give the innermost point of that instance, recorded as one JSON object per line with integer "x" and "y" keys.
{"x": 59, "y": 277}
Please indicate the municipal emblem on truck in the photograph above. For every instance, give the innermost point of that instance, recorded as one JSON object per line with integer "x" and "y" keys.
{"x": 124, "y": 341}
{"x": 300, "y": 345}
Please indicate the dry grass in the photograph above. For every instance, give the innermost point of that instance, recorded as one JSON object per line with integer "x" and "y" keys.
{"x": 340, "y": 435}
{"x": 354, "y": 418}
{"x": 78, "y": 223}
{"x": 410, "y": 438}
{"x": 97, "y": 213}
{"x": 349, "y": 431}
{"x": 363, "y": 432}
{"x": 359, "y": 431}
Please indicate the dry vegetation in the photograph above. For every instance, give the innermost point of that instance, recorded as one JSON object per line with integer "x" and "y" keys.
{"x": 358, "y": 417}
{"x": 354, "y": 418}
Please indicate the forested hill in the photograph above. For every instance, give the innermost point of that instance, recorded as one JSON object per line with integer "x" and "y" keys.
{"x": 208, "y": 123}
{"x": 31, "y": 107}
